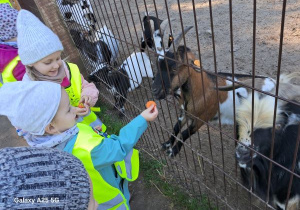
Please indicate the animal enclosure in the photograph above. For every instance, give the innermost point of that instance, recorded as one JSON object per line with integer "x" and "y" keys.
{"x": 225, "y": 76}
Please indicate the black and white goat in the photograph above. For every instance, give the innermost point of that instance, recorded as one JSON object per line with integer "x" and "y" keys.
{"x": 153, "y": 35}
{"x": 196, "y": 91}
{"x": 127, "y": 78}
{"x": 286, "y": 133}
{"x": 101, "y": 52}
{"x": 80, "y": 11}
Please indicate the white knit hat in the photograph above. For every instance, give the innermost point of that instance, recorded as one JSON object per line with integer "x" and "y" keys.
{"x": 35, "y": 40}
{"x": 30, "y": 106}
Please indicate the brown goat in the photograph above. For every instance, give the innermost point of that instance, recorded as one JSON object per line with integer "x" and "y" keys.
{"x": 196, "y": 91}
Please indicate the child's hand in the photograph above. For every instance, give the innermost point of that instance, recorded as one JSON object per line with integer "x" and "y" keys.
{"x": 86, "y": 100}
{"x": 82, "y": 111}
{"x": 98, "y": 127}
{"x": 84, "y": 106}
{"x": 150, "y": 114}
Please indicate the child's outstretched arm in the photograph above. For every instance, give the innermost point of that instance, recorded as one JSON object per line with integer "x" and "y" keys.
{"x": 116, "y": 148}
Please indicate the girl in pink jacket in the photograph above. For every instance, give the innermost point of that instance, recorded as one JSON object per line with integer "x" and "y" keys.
{"x": 11, "y": 68}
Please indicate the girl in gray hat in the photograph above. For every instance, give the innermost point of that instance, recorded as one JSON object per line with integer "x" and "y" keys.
{"x": 44, "y": 110}
{"x": 40, "y": 50}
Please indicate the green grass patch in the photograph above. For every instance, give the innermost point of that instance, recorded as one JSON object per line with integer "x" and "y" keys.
{"x": 152, "y": 169}
{"x": 153, "y": 174}
{"x": 113, "y": 123}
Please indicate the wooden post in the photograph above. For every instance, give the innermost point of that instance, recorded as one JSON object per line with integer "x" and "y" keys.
{"x": 15, "y": 4}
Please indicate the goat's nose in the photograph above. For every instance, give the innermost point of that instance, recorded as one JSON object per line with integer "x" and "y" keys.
{"x": 242, "y": 153}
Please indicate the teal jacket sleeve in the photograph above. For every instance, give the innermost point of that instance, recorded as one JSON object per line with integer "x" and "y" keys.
{"x": 116, "y": 148}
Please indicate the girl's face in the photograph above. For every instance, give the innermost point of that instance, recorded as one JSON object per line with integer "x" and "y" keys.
{"x": 65, "y": 117}
{"x": 49, "y": 65}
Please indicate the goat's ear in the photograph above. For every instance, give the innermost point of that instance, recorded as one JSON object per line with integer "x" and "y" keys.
{"x": 181, "y": 54}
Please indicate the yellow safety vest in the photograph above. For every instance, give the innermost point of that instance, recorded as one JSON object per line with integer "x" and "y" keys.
{"x": 107, "y": 196}
{"x": 5, "y": 2}
{"x": 74, "y": 92}
{"x": 7, "y": 74}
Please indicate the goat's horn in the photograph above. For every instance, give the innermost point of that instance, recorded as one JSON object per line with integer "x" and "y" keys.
{"x": 164, "y": 25}
{"x": 289, "y": 91}
{"x": 236, "y": 86}
{"x": 178, "y": 39}
{"x": 229, "y": 87}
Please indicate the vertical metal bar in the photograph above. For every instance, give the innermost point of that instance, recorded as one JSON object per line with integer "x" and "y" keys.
{"x": 253, "y": 85}
{"x": 277, "y": 88}
{"x": 293, "y": 168}
{"x": 143, "y": 60}
{"x": 171, "y": 168}
{"x": 199, "y": 53}
{"x": 215, "y": 68}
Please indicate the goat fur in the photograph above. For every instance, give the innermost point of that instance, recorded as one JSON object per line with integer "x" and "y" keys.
{"x": 283, "y": 153}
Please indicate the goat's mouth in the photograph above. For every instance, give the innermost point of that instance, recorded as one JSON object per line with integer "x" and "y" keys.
{"x": 160, "y": 95}
{"x": 243, "y": 155}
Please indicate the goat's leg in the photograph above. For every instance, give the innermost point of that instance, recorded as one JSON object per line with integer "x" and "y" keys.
{"x": 181, "y": 121}
{"x": 172, "y": 152}
{"x": 122, "y": 100}
{"x": 116, "y": 102}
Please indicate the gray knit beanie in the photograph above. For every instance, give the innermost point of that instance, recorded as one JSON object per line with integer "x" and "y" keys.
{"x": 30, "y": 106}
{"x": 35, "y": 40}
{"x": 40, "y": 178}
{"x": 8, "y": 19}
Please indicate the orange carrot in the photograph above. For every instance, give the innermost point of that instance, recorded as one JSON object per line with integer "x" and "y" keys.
{"x": 149, "y": 103}
{"x": 80, "y": 105}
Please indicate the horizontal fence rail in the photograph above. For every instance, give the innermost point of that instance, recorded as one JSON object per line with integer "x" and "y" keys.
{"x": 239, "y": 149}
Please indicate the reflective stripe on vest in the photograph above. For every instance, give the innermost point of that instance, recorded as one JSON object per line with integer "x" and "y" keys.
{"x": 7, "y": 74}
{"x": 129, "y": 168}
{"x": 74, "y": 92}
{"x": 92, "y": 120}
{"x": 107, "y": 196}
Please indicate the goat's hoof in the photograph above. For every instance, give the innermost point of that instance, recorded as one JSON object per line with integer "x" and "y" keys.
{"x": 165, "y": 146}
{"x": 170, "y": 152}
{"x": 121, "y": 113}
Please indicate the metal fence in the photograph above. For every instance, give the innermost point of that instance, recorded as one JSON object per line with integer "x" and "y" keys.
{"x": 228, "y": 41}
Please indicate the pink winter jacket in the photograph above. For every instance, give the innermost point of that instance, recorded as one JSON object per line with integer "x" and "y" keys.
{"x": 7, "y": 53}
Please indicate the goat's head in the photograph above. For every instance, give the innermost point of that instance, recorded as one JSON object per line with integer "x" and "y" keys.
{"x": 172, "y": 69}
{"x": 263, "y": 116}
{"x": 153, "y": 37}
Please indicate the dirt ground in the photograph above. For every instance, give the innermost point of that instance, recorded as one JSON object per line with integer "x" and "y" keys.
{"x": 206, "y": 165}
